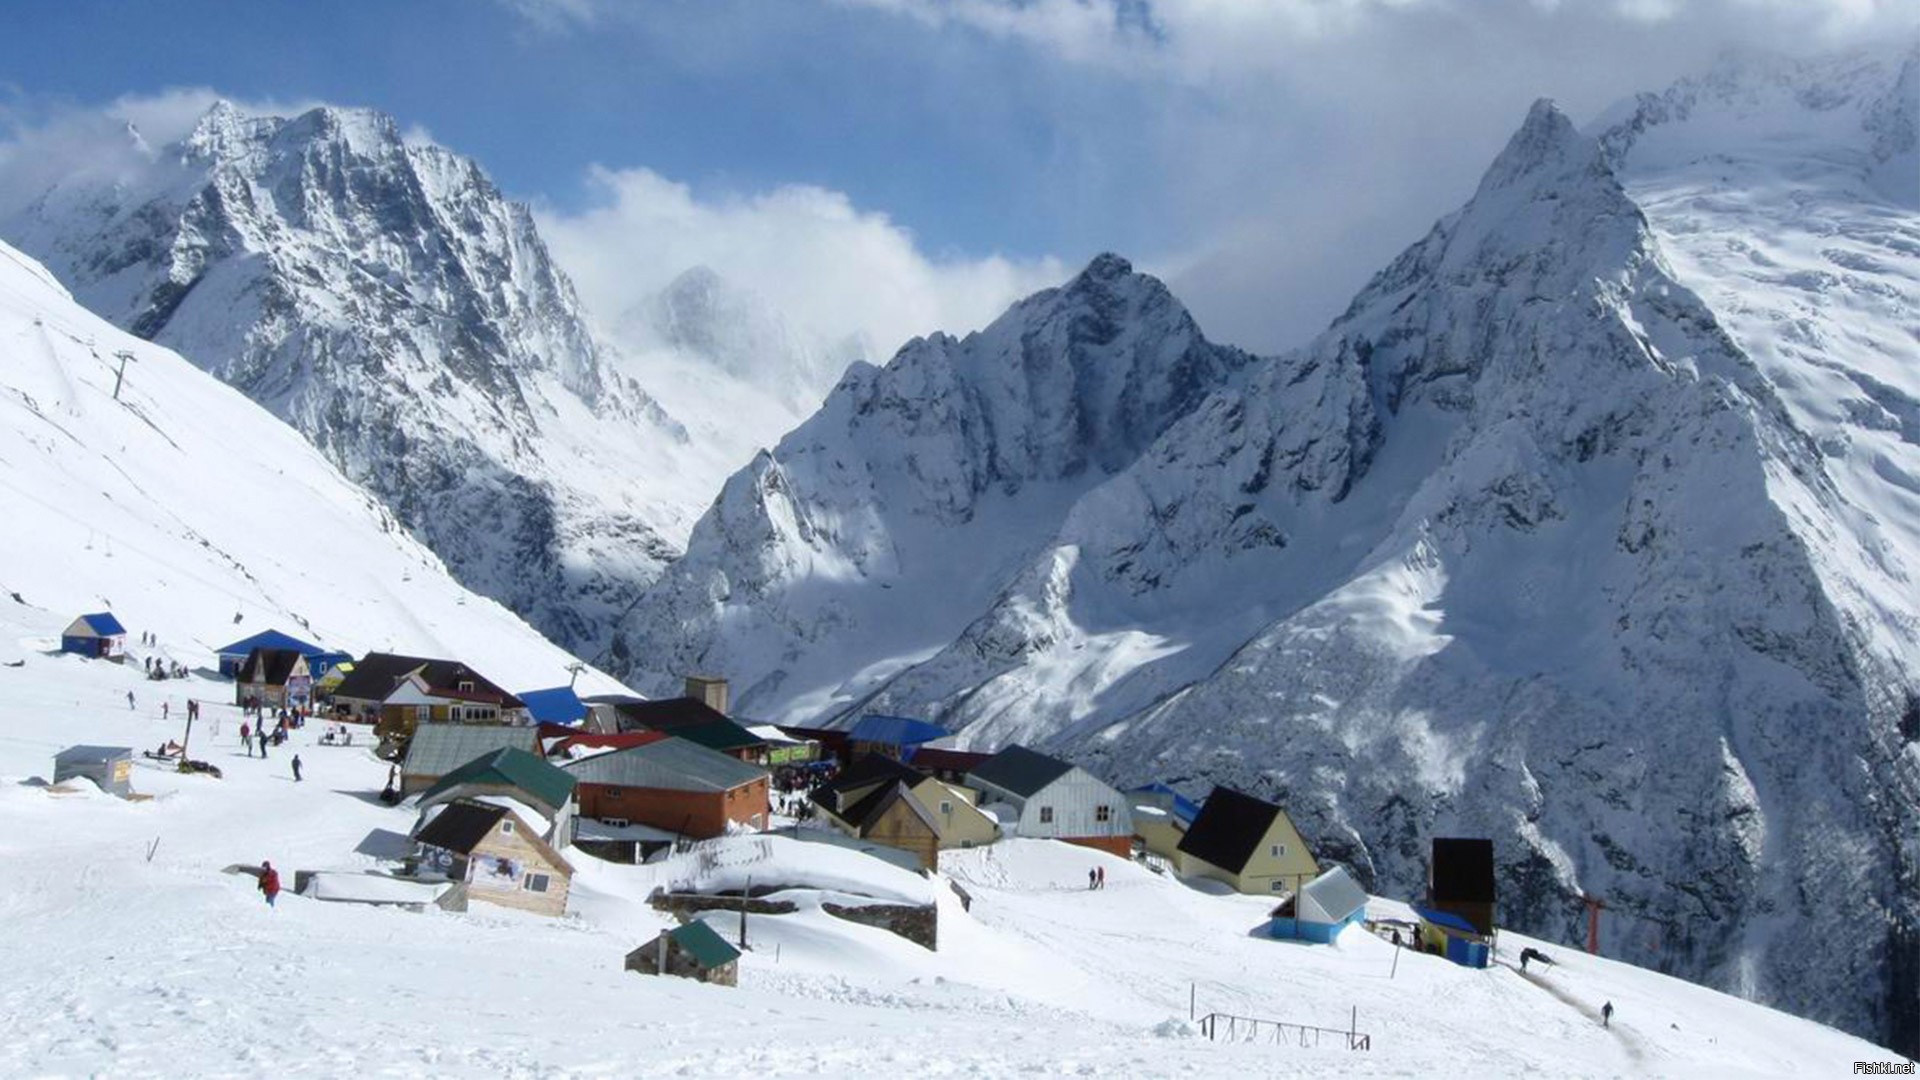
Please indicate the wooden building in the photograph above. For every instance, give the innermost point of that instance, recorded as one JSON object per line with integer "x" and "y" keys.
{"x": 692, "y": 951}
{"x": 673, "y": 784}
{"x": 1037, "y": 796}
{"x": 498, "y": 856}
{"x": 401, "y": 692}
{"x": 276, "y": 678}
{"x": 1246, "y": 842}
{"x": 98, "y": 636}
{"x": 857, "y": 800}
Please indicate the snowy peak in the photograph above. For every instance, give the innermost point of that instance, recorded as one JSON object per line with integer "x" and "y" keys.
{"x": 1545, "y": 149}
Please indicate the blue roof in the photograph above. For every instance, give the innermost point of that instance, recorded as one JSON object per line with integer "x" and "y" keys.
{"x": 896, "y": 731}
{"x": 103, "y": 623}
{"x": 270, "y": 639}
{"x": 559, "y": 705}
{"x": 1184, "y": 808}
{"x": 1446, "y": 919}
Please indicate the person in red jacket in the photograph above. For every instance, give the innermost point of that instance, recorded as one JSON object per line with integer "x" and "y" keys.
{"x": 269, "y": 881}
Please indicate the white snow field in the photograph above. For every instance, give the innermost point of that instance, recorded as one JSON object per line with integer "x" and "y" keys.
{"x": 130, "y": 959}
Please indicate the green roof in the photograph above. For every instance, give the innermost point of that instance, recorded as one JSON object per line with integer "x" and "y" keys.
{"x": 512, "y": 767}
{"x": 707, "y": 948}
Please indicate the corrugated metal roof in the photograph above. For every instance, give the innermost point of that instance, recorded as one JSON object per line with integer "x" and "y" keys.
{"x": 511, "y": 767}
{"x": 896, "y": 731}
{"x": 438, "y": 749}
{"x": 1020, "y": 770}
{"x": 703, "y": 945}
{"x": 1335, "y": 893}
{"x": 672, "y": 764}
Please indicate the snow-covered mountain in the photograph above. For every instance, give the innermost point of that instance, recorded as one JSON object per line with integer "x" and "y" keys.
{"x": 381, "y": 295}
{"x": 870, "y": 535}
{"x": 1586, "y": 527}
{"x": 193, "y": 513}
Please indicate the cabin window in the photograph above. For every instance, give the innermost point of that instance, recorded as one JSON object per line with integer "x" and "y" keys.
{"x": 1279, "y": 852}
{"x": 466, "y": 686}
{"x": 946, "y": 807}
{"x": 1046, "y": 815}
{"x": 538, "y": 882}
{"x": 613, "y": 794}
{"x": 506, "y": 827}
{"x": 1277, "y": 886}
{"x": 1103, "y": 813}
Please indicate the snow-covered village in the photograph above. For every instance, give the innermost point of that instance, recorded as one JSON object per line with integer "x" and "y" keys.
{"x": 977, "y": 538}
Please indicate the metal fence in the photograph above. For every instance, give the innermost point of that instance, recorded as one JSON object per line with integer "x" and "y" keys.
{"x": 1226, "y": 1027}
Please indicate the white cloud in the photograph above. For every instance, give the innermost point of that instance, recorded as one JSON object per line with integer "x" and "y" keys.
{"x": 43, "y": 143}
{"x": 810, "y": 252}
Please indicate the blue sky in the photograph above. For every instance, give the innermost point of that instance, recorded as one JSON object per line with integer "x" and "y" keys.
{"x": 1265, "y": 156}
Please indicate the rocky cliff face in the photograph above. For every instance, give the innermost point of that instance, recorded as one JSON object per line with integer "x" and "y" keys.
{"x": 1582, "y": 529}
{"x": 386, "y": 300}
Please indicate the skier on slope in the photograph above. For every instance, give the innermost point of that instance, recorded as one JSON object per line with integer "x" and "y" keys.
{"x": 296, "y": 768}
{"x": 1606, "y": 1015}
{"x": 129, "y": 699}
{"x": 269, "y": 881}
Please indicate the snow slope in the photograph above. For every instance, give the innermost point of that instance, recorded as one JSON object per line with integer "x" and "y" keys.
{"x": 131, "y": 954}
{"x": 193, "y": 513}
{"x": 1568, "y": 532}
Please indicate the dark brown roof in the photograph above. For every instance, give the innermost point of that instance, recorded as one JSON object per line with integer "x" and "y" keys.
{"x": 933, "y": 759}
{"x": 1228, "y": 829}
{"x": 270, "y": 666}
{"x": 1020, "y": 770}
{"x": 668, "y": 714}
{"x": 866, "y": 771}
{"x": 1461, "y": 871}
{"x": 461, "y": 826}
{"x": 375, "y": 676}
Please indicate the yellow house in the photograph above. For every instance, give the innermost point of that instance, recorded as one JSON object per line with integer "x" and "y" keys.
{"x": 1248, "y": 843}
{"x": 860, "y": 792}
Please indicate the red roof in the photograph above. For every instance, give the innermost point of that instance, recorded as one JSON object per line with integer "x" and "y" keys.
{"x": 566, "y": 738}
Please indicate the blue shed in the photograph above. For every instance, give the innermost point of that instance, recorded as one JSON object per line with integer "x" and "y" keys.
{"x": 894, "y": 736}
{"x": 99, "y": 635}
{"x": 1323, "y": 907}
{"x": 1183, "y": 809}
{"x": 558, "y": 705}
{"x": 1455, "y": 938}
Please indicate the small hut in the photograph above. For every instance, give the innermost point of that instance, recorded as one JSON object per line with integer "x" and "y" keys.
{"x": 1453, "y": 937}
{"x": 98, "y": 636}
{"x": 693, "y": 951}
{"x": 1321, "y": 909}
{"x": 111, "y": 767}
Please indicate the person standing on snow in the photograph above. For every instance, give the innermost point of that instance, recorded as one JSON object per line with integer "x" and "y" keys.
{"x": 1606, "y": 1015}
{"x": 1101, "y": 880}
{"x": 296, "y": 768}
{"x": 246, "y": 738}
{"x": 129, "y": 700}
{"x": 269, "y": 881}
{"x": 1093, "y": 878}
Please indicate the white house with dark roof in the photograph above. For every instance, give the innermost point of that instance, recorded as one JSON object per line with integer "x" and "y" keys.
{"x": 1041, "y": 797}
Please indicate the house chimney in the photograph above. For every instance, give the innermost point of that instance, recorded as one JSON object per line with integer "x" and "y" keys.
{"x": 709, "y": 690}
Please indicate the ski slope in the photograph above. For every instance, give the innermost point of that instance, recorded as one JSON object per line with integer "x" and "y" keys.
{"x": 130, "y": 965}
{"x": 192, "y": 513}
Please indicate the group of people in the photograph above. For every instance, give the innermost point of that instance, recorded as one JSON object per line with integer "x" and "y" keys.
{"x": 158, "y": 669}
{"x": 1097, "y": 878}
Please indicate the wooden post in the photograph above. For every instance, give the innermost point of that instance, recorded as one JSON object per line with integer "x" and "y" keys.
{"x": 744, "y": 897}
{"x": 1396, "y": 955}
{"x": 1193, "y": 999}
